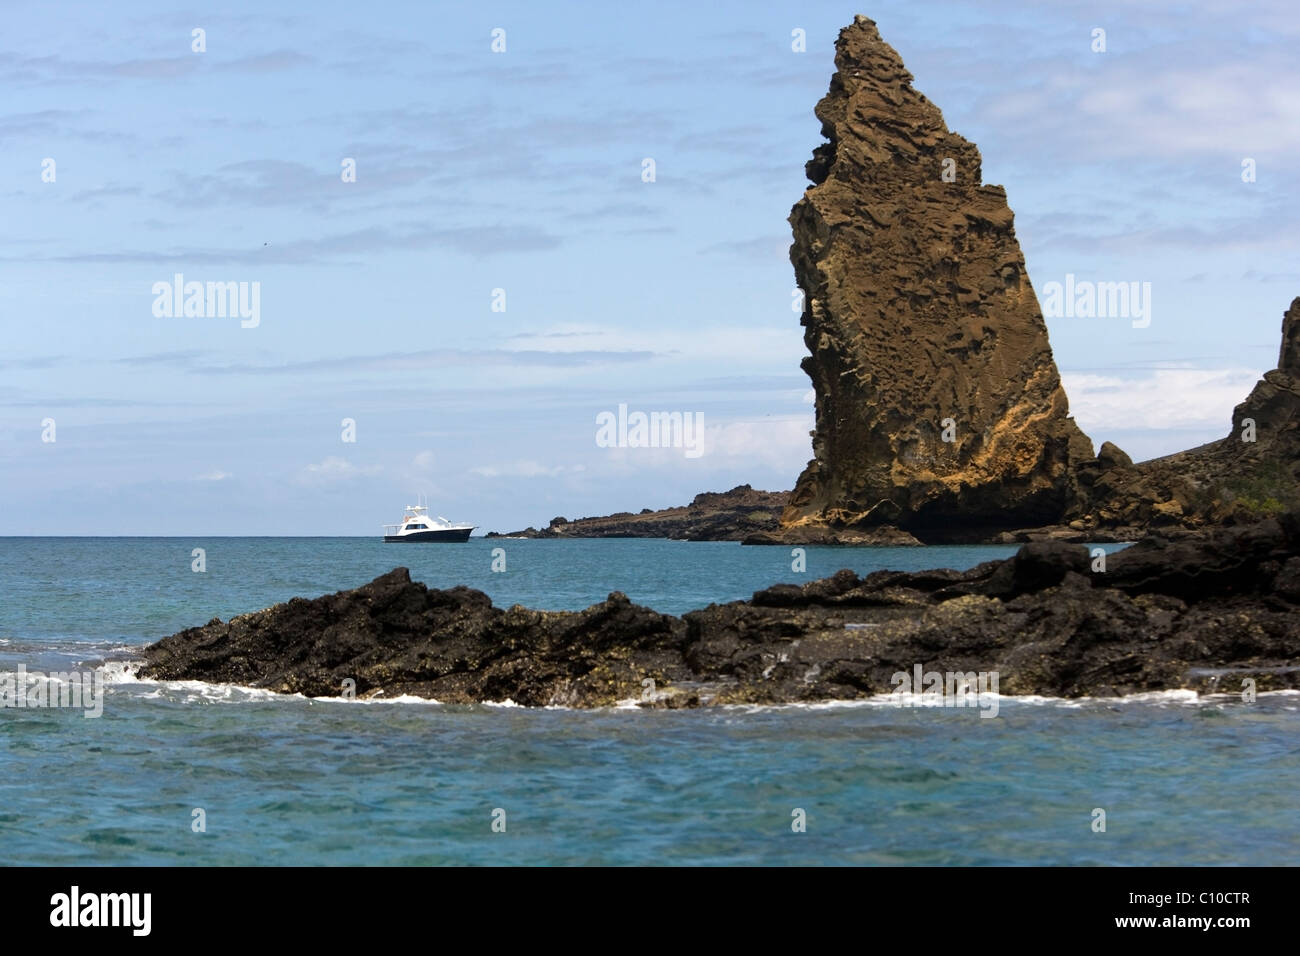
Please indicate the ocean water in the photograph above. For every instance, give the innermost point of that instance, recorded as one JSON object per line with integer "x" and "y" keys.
{"x": 287, "y": 780}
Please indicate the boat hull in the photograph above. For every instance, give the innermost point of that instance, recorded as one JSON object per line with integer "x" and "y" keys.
{"x": 422, "y": 537}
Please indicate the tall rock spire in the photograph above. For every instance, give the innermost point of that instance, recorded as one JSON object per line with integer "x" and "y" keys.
{"x": 939, "y": 406}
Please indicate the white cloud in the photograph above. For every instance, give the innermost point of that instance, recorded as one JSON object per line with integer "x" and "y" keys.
{"x": 726, "y": 344}
{"x": 778, "y": 443}
{"x": 525, "y": 469}
{"x": 770, "y": 442}
{"x": 214, "y": 476}
{"x": 1153, "y": 105}
{"x": 334, "y": 469}
{"x": 1164, "y": 399}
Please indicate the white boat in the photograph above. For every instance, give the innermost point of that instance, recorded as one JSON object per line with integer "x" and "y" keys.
{"x": 416, "y": 525}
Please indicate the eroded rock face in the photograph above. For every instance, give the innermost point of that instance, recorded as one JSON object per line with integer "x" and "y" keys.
{"x": 918, "y": 309}
{"x": 1200, "y": 613}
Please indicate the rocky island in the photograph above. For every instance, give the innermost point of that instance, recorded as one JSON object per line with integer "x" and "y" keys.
{"x": 940, "y": 415}
{"x": 1204, "y": 613}
{"x": 939, "y": 409}
{"x": 712, "y": 516}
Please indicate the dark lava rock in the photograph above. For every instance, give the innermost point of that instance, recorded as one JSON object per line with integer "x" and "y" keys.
{"x": 1201, "y": 612}
{"x": 731, "y": 515}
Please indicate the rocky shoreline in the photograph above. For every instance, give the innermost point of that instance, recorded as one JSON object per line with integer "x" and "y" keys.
{"x": 754, "y": 518}
{"x": 711, "y": 516}
{"x": 1205, "y": 613}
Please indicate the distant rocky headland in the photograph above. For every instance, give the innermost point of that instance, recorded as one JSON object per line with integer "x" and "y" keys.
{"x": 940, "y": 414}
{"x": 1216, "y": 612}
{"x": 722, "y": 516}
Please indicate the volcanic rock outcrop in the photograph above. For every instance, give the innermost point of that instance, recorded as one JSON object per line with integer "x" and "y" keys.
{"x": 741, "y": 514}
{"x": 731, "y": 515}
{"x": 1203, "y": 613}
{"x": 938, "y": 404}
{"x": 1250, "y": 473}
{"x": 940, "y": 414}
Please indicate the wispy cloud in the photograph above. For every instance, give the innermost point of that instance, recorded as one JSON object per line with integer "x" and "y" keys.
{"x": 333, "y": 470}
{"x": 481, "y": 241}
{"x": 525, "y": 469}
{"x": 199, "y": 362}
{"x": 1163, "y": 399}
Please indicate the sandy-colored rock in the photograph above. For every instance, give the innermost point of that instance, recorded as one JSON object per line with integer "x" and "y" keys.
{"x": 939, "y": 406}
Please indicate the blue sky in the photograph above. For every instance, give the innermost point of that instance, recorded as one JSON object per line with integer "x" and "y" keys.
{"x": 522, "y": 171}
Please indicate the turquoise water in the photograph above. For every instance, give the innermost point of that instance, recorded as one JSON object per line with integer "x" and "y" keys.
{"x": 287, "y": 780}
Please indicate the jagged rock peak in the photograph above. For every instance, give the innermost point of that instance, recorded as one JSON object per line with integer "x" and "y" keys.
{"x": 871, "y": 87}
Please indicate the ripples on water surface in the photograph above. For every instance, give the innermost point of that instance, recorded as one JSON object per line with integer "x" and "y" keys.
{"x": 288, "y": 780}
